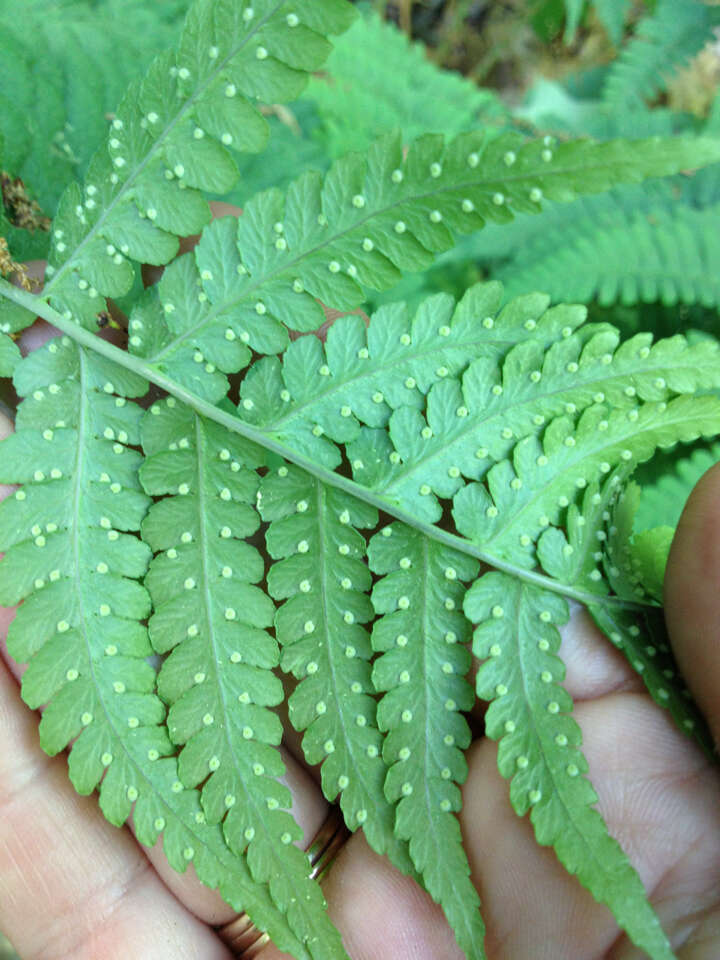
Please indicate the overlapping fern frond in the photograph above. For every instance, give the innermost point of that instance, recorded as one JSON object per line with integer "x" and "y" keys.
{"x": 663, "y": 42}
{"x": 62, "y": 69}
{"x": 322, "y": 508}
{"x": 631, "y": 245}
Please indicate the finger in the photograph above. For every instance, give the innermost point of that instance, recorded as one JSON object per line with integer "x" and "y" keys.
{"x": 593, "y": 666}
{"x": 309, "y": 808}
{"x": 658, "y": 797}
{"x": 379, "y": 912}
{"x": 70, "y": 884}
{"x": 692, "y": 597}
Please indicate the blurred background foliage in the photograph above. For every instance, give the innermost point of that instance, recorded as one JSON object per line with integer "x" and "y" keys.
{"x": 642, "y": 257}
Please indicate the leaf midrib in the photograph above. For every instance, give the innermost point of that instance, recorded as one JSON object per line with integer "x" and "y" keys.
{"x": 227, "y": 304}
{"x": 233, "y": 423}
{"x": 515, "y": 404}
{"x": 587, "y": 452}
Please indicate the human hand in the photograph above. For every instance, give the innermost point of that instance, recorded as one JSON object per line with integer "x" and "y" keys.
{"x": 72, "y": 886}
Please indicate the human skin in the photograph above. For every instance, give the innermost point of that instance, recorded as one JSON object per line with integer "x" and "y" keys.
{"x": 76, "y": 888}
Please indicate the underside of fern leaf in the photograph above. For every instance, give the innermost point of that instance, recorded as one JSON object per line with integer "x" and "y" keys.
{"x": 320, "y": 510}
{"x": 539, "y": 745}
{"x": 566, "y": 411}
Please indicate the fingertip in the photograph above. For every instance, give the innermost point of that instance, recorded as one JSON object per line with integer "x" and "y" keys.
{"x": 692, "y": 596}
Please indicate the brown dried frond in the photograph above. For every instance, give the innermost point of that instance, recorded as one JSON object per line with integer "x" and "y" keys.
{"x": 8, "y": 267}
{"x": 21, "y": 210}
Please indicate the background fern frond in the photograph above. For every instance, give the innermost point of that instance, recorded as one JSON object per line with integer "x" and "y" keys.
{"x": 662, "y": 502}
{"x": 529, "y": 713}
{"x": 375, "y": 81}
{"x": 611, "y": 13}
{"x": 393, "y": 85}
{"x": 633, "y": 244}
{"x": 63, "y": 68}
{"x": 663, "y": 41}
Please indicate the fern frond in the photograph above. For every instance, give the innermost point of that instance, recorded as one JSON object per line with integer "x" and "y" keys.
{"x": 63, "y": 68}
{"x": 443, "y": 430}
{"x": 612, "y": 14}
{"x": 526, "y": 495}
{"x": 572, "y": 555}
{"x": 320, "y": 574}
{"x": 365, "y": 373}
{"x": 392, "y": 84}
{"x": 497, "y": 520}
{"x": 644, "y": 642}
{"x": 661, "y": 503}
{"x": 632, "y": 245}
{"x": 9, "y": 355}
{"x": 218, "y": 679}
{"x": 72, "y": 559}
{"x": 421, "y": 635}
{"x": 663, "y": 42}
{"x": 501, "y": 435}
{"x": 169, "y": 139}
{"x": 369, "y": 218}
{"x": 539, "y": 745}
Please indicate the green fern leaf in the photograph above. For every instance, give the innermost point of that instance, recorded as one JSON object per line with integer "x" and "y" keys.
{"x": 612, "y": 15}
{"x": 664, "y": 41}
{"x": 648, "y": 556}
{"x": 319, "y": 573}
{"x": 304, "y": 506}
{"x": 169, "y": 140}
{"x": 366, "y": 373}
{"x": 644, "y": 642}
{"x": 9, "y": 355}
{"x": 421, "y": 635}
{"x": 213, "y": 619}
{"x": 63, "y": 68}
{"x": 635, "y": 244}
{"x": 560, "y": 411}
{"x": 73, "y": 561}
{"x": 368, "y": 219}
{"x": 662, "y": 503}
{"x": 539, "y": 745}
{"x": 574, "y": 10}
{"x": 391, "y": 84}
{"x": 508, "y": 520}
{"x": 572, "y": 555}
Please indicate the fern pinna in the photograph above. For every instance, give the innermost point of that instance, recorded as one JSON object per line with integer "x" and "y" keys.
{"x": 325, "y": 510}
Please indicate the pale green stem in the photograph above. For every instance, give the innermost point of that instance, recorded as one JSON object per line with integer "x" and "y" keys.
{"x": 150, "y": 372}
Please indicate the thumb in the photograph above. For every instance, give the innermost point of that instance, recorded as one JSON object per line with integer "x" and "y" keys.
{"x": 692, "y": 596}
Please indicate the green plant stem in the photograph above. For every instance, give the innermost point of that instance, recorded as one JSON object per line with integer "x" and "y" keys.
{"x": 153, "y": 374}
